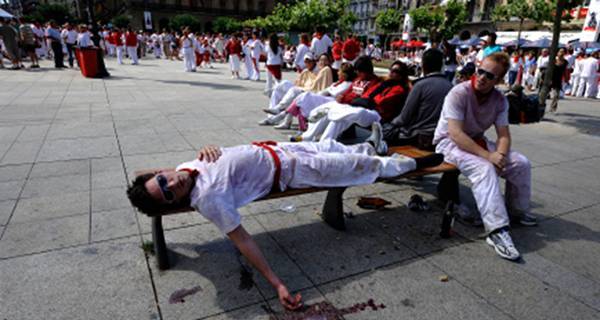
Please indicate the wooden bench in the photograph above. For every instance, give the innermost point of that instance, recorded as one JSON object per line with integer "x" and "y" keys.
{"x": 333, "y": 213}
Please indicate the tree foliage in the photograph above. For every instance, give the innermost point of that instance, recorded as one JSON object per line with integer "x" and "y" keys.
{"x": 446, "y": 20}
{"x": 538, "y": 11}
{"x": 46, "y": 12}
{"x": 185, "y": 20}
{"x": 121, "y": 21}
{"x": 305, "y": 15}
{"x": 226, "y": 25}
{"x": 388, "y": 20}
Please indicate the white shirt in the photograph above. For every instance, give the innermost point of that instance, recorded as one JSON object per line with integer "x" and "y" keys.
{"x": 186, "y": 42}
{"x": 257, "y": 48}
{"x": 84, "y": 40}
{"x": 577, "y": 67}
{"x": 300, "y": 52}
{"x": 320, "y": 46}
{"x": 241, "y": 175}
{"x": 336, "y": 89}
{"x": 272, "y": 58}
{"x": 589, "y": 67}
{"x": 514, "y": 65}
{"x": 543, "y": 61}
{"x": 70, "y": 36}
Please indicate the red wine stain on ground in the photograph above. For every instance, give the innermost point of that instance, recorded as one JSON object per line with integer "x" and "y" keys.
{"x": 324, "y": 311}
{"x": 178, "y": 295}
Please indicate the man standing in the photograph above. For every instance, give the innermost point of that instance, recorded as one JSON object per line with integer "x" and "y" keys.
{"x": 234, "y": 50}
{"x": 321, "y": 43}
{"x": 10, "y": 35}
{"x": 470, "y": 109}
{"x": 28, "y": 42}
{"x": 69, "y": 36}
{"x": 257, "y": 49}
{"x": 588, "y": 77}
{"x": 53, "y": 35}
{"x": 117, "y": 40}
{"x": 131, "y": 42}
{"x": 417, "y": 121}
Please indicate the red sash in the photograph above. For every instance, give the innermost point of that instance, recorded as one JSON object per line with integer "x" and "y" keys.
{"x": 267, "y": 146}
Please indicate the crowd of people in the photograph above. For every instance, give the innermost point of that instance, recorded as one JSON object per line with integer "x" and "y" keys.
{"x": 436, "y": 96}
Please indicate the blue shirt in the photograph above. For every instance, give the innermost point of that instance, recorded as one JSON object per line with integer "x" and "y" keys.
{"x": 53, "y": 33}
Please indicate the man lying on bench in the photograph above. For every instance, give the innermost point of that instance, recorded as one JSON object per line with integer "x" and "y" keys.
{"x": 224, "y": 179}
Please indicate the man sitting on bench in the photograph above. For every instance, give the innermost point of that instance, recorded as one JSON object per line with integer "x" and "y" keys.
{"x": 224, "y": 179}
{"x": 470, "y": 109}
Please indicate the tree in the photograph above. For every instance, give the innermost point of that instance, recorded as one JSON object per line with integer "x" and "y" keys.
{"x": 226, "y": 25}
{"x": 121, "y": 21}
{"x": 427, "y": 18}
{"x": 538, "y": 11}
{"x": 185, "y": 20}
{"x": 455, "y": 17}
{"x": 388, "y": 21}
{"x": 47, "y": 12}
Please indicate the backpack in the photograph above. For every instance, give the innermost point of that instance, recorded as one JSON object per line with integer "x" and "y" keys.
{"x": 524, "y": 108}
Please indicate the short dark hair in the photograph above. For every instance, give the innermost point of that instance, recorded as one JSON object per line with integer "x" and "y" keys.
{"x": 348, "y": 71}
{"x": 364, "y": 64}
{"x": 140, "y": 197}
{"x": 433, "y": 60}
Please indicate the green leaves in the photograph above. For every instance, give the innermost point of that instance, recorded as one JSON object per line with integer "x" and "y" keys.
{"x": 446, "y": 20}
{"x": 226, "y": 25}
{"x": 185, "y": 20}
{"x": 306, "y": 15}
{"x": 388, "y": 20}
{"x": 121, "y": 21}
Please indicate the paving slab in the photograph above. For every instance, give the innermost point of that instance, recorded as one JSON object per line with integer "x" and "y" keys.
{"x": 79, "y": 283}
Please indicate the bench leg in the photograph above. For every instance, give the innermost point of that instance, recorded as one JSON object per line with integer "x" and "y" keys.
{"x": 447, "y": 188}
{"x": 160, "y": 247}
{"x": 333, "y": 209}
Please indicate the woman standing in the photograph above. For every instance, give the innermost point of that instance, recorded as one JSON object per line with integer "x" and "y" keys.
{"x": 274, "y": 61}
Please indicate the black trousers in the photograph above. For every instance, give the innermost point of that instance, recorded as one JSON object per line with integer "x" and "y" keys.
{"x": 58, "y": 54}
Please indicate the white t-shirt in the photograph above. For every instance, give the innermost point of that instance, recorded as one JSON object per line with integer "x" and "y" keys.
{"x": 589, "y": 67}
{"x": 300, "y": 53}
{"x": 241, "y": 175}
{"x": 543, "y": 61}
{"x": 320, "y": 46}
{"x": 84, "y": 40}
{"x": 514, "y": 65}
{"x": 257, "y": 48}
{"x": 337, "y": 88}
{"x": 274, "y": 58}
{"x": 461, "y": 104}
{"x": 70, "y": 36}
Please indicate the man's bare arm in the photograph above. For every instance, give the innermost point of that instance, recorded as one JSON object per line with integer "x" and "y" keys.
{"x": 463, "y": 141}
{"x": 209, "y": 153}
{"x": 248, "y": 247}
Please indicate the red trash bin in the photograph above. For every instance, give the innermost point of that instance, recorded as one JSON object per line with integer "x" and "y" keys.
{"x": 88, "y": 61}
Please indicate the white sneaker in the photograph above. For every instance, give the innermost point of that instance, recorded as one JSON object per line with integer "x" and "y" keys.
{"x": 376, "y": 139}
{"x": 503, "y": 244}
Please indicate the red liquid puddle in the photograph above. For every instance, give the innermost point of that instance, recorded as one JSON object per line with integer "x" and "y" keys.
{"x": 325, "y": 311}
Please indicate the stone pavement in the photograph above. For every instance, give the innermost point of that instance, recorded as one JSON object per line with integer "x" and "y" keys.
{"x": 70, "y": 243}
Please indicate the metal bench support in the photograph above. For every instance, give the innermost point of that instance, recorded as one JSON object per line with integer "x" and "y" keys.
{"x": 333, "y": 209}
{"x": 448, "y": 191}
{"x": 160, "y": 247}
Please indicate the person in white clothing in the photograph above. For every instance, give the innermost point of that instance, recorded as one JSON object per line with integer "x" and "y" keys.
{"x": 274, "y": 62}
{"x": 247, "y": 56}
{"x": 469, "y": 110}
{"x": 321, "y": 43}
{"x": 131, "y": 44}
{"x": 576, "y": 71}
{"x": 542, "y": 65}
{"x": 83, "y": 38}
{"x": 303, "y": 48}
{"x": 588, "y": 77}
{"x": 257, "y": 49}
{"x": 221, "y": 180}
{"x": 187, "y": 47}
{"x": 69, "y": 36}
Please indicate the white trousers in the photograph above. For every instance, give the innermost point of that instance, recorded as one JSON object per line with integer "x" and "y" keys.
{"x": 189, "y": 59}
{"x": 120, "y": 54}
{"x": 486, "y": 183}
{"x": 132, "y": 52}
{"x": 331, "y": 164}
{"x": 308, "y": 101}
{"x": 587, "y": 87}
{"x": 111, "y": 49}
{"x": 234, "y": 62}
{"x": 157, "y": 51}
{"x": 255, "y": 69}
{"x": 271, "y": 82}
{"x": 248, "y": 66}
{"x": 339, "y": 118}
{"x": 574, "y": 82}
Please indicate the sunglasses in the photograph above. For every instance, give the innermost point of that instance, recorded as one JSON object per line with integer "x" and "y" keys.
{"x": 488, "y": 75}
{"x": 162, "y": 183}
{"x": 395, "y": 70}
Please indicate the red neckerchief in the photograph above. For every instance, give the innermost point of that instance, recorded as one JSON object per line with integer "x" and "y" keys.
{"x": 338, "y": 83}
{"x": 319, "y": 35}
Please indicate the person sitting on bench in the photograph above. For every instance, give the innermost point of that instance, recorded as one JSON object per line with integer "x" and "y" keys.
{"x": 379, "y": 103}
{"x": 223, "y": 179}
{"x": 470, "y": 109}
{"x": 417, "y": 121}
